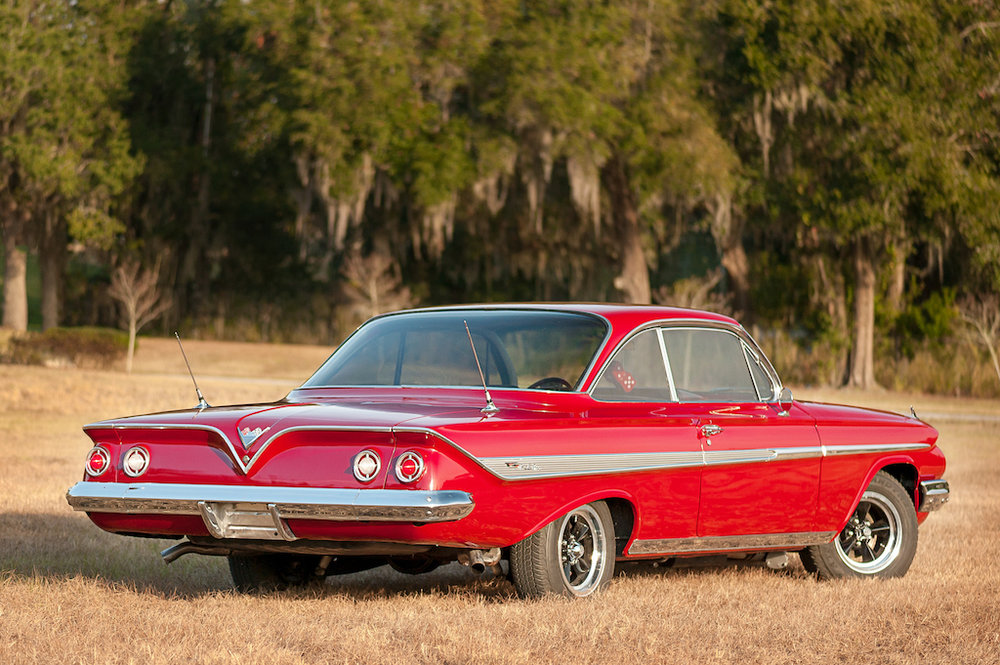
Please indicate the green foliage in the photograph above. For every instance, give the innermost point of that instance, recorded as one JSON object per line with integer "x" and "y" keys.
{"x": 62, "y": 138}
{"x": 250, "y": 147}
{"x": 928, "y": 324}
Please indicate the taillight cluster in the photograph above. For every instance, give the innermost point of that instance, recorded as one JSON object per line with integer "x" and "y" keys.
{"x": 409, "y": 466}
{"x": 98, "y": 461}
{"x": 135, "y": 461}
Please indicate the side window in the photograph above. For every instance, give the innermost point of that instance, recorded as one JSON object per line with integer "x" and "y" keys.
{"x": 636, "y": 373}
{"x": 709, "y": 366}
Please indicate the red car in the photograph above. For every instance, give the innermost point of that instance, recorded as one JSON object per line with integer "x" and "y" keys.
{"x": 545, "y": 442}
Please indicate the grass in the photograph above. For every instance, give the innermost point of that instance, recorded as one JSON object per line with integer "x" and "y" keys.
{"x": 70, "y": 593}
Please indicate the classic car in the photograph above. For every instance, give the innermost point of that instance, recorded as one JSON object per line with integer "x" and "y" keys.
{"x": 542, "y": 441}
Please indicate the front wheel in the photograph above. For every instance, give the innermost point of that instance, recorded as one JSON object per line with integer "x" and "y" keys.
{"x": 572, "y": 556}
{"x": 879, "y": 539}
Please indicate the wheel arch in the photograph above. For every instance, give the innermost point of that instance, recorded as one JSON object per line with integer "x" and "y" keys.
{"x": 623, "y": 517}
{"x": 624, "y": 514}
{"x": 902, "y": 468}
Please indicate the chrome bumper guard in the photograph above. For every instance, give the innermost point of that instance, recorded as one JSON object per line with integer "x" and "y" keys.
{"x": 933, "y": 495}
{"x": 239, "y": 511}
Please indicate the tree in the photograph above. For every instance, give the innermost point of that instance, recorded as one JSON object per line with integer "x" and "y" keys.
{"x": 608, "y": 91}
{"x": 137, "y": 291}
{"x": 853, "y": 115}
{"x": 982, "y": 313}
{"x": 64, "y": 152}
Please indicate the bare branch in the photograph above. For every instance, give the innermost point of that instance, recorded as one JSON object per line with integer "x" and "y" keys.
{"x": 983, "y": 314}
{"x": 374, "y": 283}
{"x": 979, "y": 26}
{"x": 137, "y": 291}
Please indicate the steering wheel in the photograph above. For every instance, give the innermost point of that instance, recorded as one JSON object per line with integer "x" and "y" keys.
{"x": 551, "y": 383}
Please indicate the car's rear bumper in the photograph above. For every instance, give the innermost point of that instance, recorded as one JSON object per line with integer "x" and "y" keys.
{"x": 243, "y": 511}
{"x": 933, "y": 494}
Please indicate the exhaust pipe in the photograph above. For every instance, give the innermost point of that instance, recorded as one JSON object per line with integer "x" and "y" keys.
{"x": 482, "y": 560}
{"x": 175, "y": 552}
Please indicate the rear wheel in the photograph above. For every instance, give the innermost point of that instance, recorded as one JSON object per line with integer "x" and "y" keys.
{"x": 272, "y": 572}
{"x": 879, "y": 540}
{"x": 572, "y": 556}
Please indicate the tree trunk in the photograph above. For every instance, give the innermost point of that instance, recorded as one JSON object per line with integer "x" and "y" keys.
{"x": 897, "y": 281}
{"x": 193, "y": 272}
{"x": 53, "y": 249}
{"x": 633, "y": 281}
{"x": 737, "y": 265}
{"x": 15, "y": 284}
{"x": 862, "y": 374}
{"x": 828, "y": 292}
{"x": 727, "y": 231}
{"x": 131, "y": 344}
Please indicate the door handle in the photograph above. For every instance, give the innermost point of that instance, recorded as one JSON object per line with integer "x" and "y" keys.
{"x": 710, "y": 430}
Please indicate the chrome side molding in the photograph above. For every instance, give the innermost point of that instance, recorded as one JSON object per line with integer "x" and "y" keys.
{"x": 790, "y": 541}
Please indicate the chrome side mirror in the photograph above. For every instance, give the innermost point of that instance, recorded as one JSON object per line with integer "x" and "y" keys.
{"x": 784, "y": 402}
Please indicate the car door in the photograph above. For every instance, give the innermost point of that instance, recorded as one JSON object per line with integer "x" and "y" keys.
{"x": 761, "y": 462}
{"x": 651, "y": 440}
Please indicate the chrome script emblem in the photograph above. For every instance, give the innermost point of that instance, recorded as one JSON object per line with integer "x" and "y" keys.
{"x": 248, "y": 436}
{"x": 522, "y": 466}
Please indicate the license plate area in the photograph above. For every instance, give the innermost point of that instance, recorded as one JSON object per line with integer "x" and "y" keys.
{"x": 254, "y": 521}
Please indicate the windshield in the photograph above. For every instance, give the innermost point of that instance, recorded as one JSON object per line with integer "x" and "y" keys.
{"x": 516, "y": 348}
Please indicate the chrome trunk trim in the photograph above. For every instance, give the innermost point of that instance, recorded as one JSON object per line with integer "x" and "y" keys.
{"x": 306, "y": 503}
{"x": 933, "y": 494}
{"x": 730, "y": 543}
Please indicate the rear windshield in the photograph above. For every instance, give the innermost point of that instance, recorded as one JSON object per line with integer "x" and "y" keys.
{"x": 516, "y": 349}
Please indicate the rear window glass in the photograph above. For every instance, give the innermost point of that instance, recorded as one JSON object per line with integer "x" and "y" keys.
{"x": 516, "y": 349}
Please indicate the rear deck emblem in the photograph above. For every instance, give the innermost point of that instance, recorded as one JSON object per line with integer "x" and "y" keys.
{"x": 248, "y": 436}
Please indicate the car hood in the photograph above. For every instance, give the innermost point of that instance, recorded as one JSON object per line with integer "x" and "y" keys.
{"x": 842, "y": 424}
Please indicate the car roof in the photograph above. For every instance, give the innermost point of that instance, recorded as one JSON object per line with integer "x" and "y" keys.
{"x": 620, "y": 316}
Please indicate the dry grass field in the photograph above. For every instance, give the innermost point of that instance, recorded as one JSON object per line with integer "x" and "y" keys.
{"x": 70, "y": 593}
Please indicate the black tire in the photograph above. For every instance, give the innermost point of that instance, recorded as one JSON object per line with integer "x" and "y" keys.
{"x": 573, "y": 556}
{"x": 879, "y": 540}
{"x": 272, "y": 572}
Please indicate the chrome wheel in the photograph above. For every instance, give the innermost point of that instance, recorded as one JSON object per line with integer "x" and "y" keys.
{"x": 870, "y": 542}
{"x": 574, "y": 555}
{"x": 581, "y": 549}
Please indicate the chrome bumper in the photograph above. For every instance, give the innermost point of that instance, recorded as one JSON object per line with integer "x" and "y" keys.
{"x": 239, "y": 511}
{"x": 933, "y": 495}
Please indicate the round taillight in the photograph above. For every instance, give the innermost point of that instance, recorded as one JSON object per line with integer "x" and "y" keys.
{"x": 136, "y": 461}
{"x": 409, "y": 467}
{"x": 366, "y": 465}
{"x": 98, "y": 461}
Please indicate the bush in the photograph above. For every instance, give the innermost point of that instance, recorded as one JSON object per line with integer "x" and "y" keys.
{"x": 96, "y": 348}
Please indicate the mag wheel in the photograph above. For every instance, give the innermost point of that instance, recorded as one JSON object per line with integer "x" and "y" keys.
{"x": 272, "y": 572}
{"x": 879, "y": 540}
{"x": 572, "y": 556}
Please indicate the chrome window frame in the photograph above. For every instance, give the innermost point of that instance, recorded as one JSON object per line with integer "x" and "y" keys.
{"x": 714, "y": 326}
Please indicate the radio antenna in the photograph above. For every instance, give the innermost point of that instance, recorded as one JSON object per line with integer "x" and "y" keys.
{"x": 490, "y": 407}
{"x": 202, "y": 404}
